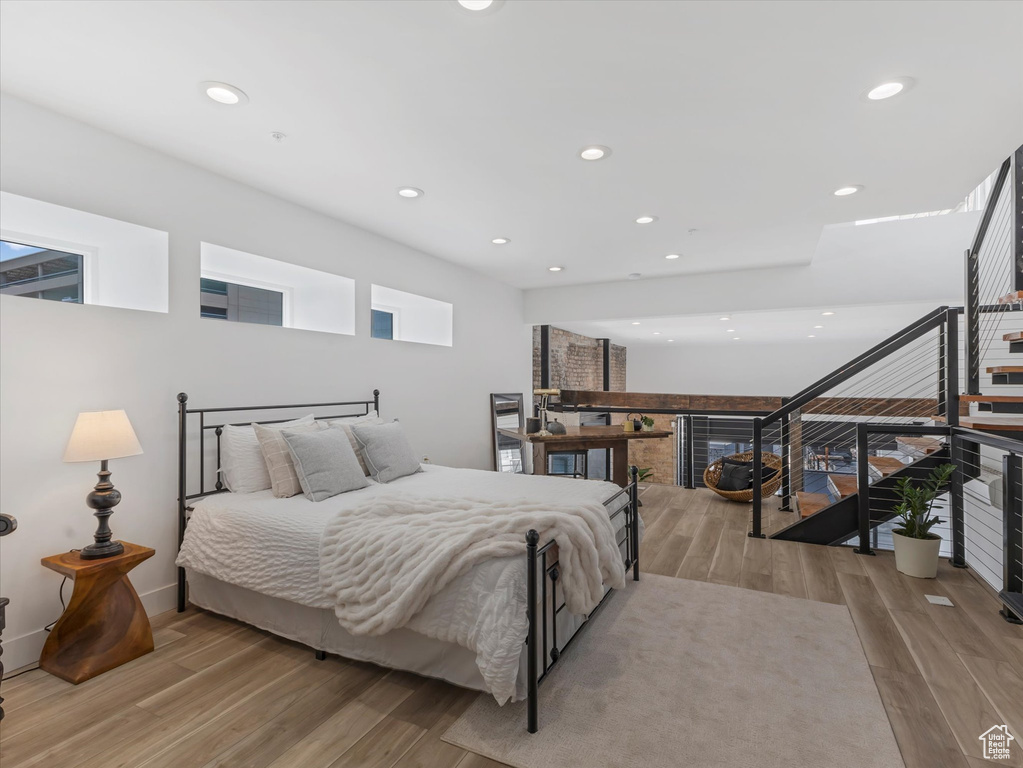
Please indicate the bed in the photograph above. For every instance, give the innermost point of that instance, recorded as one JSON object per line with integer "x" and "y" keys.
{"x": 255, "y": 558}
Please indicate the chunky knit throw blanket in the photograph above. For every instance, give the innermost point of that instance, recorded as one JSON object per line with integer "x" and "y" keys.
{"x": 381, "y": 563}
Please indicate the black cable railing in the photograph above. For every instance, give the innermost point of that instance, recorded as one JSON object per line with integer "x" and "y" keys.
{"x": 984, "y": 503}
{"x": 990, "y": 275}
{"x": 911, "y": 376}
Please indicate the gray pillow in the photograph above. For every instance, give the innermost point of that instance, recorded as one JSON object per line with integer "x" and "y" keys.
{"x": 325, "y": 463}
{"x": 387, "y": 451}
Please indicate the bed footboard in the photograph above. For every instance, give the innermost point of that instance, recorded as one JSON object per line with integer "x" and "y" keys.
{"x": 543, "y": 618}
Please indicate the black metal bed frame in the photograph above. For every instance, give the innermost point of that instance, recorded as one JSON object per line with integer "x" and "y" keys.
{"x": 542, "y": 630}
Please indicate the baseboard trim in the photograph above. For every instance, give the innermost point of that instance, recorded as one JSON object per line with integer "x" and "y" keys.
{"x": 24, "y": 651}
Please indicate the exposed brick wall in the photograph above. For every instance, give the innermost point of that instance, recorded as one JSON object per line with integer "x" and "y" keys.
{"x": 659, "y": 455}
{"x": 577, "y": 362}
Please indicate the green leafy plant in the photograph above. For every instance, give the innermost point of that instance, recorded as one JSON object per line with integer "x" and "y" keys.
{"x": 643, "y": 474}
{"x": 917, "y": 500}
{"x": 647, "y": 421}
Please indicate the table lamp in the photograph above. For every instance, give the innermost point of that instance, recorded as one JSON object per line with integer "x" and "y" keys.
{"x": 545, "y": 396}
{"x": 101, "y": 436}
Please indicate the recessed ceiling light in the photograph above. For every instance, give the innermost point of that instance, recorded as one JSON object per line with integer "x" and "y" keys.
{"x": 725, "y": 318}
{"x": 818, "y": 326}
{"x": 646, "y": 219}
{"x": 852, "y": 189}
{"x": 885, "y": 91}
{"x": 554, "y": 269}
{"x": 635, "y": 275}
{"x": 670, "y": 340}
{"x": 635, "y": 322}
{"x": 889, "y": 88}
{"x": 657, "y": 333}
{"x": 672, "y": 256}
{"x": 594, "y": 152}
{"x": 827, "y": 313}
{"x": 476, "y": 5}
{"x": 410, "y": 192}
{"x": 730, "y": 330}
{"x": 811, "y": 336}
{"x": 735, "y": 338}
{"x": 223, "y": 93}
{"x": 500, "y": 241}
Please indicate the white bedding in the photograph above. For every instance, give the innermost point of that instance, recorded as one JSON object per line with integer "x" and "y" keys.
{"x": 272, "y": 546}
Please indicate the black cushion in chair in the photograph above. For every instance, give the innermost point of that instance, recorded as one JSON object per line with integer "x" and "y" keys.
{"x": 735, "y": 476}
{"x": 766, "y": 473}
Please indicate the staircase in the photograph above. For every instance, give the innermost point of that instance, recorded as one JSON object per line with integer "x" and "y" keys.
{"x": 838, "y": 520}
{"x": 919, "y": 417}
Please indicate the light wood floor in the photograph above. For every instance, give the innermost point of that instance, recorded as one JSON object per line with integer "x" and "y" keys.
{"x": 218, "y": 693}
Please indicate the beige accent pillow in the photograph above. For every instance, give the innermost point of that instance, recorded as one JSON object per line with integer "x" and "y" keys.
{"x": 346, "y": 424}
{"x": 284, "y": 480}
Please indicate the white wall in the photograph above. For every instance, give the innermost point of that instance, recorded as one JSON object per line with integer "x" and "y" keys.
{"x": 125, "y": 264}
{"x": 760, "y": 369}
{"x": 58, "y": 359}
{"x": 314, "y": 300}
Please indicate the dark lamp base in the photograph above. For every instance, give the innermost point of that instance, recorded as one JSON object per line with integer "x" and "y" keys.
{"x": 99, "y": 551}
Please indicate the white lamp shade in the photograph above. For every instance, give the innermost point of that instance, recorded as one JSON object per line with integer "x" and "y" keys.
{"x": 100, "y": 435}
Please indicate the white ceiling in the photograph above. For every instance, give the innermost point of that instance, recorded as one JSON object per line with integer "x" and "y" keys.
{"x": 773, "y": 327}
{"x": 732, "y": 118}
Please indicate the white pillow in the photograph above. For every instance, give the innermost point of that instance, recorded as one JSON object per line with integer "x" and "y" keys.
{"x": 346, "y": 423}
{"x": 389, "y": 454}
{"x": 241, "y": 459}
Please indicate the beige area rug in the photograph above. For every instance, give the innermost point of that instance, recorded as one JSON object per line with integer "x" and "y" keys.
{"x": 675, "y": 673}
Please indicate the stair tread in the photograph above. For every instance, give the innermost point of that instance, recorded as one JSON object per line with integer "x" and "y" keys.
{"x": 991, "y": 398}
{"x": 1011, "y": 298}
{"x": 887, "y": 464}
{"x": 1014, "y": 336}
{"x": 918, "y": 446}
{"x": 1012, "y": 599}
{"x": 1006, "y": 369}
{"x": 810, "y": 503}
{"x": 996, "y": 423}
{"x": 843, "y": 485}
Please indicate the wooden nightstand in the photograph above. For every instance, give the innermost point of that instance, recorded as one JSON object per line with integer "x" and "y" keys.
{"x": 105, "y": 624}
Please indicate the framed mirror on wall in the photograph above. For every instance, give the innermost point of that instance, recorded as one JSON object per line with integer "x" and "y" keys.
{"x": 507, "y": 412}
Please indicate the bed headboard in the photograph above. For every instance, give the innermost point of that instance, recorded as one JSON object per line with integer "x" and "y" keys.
{"x": 241, "y": 416}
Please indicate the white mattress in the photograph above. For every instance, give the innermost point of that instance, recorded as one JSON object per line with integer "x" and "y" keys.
{"x": 271, "y": 546}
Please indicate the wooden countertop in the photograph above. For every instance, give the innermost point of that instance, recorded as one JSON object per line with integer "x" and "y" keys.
{"x": 599, "y": 433}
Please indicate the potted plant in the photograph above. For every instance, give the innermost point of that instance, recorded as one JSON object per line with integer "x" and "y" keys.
{"x": 648, "y": 424}
{"x": 916, "y": 548}
{"x": 642, "y": 473}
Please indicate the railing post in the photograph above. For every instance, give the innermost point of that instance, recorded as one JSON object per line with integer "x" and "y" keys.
{"x": 1017, "y": 219}
{"x": 942, "y": 371}
{"x": 758, "y": 478}
{"x": 1012, "y": 517}
{"x": 972, "y": 322}
{"x": 951, "y": 377}
{"x": 688, "y": 450}
{"x": 786, "y": 472}
{"x": 956, "y": 506}
{"x": 863, "y": 489}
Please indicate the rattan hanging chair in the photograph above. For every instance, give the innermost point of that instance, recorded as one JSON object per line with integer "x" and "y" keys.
{"x": 712, "y": 474}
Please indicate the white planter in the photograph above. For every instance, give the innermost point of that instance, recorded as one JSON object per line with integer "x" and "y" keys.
{"x": 916, "y": 557}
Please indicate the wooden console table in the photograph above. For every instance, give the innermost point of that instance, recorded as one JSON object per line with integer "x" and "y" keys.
{"x": 105, "y": 624}
{"x": 584, "y": 439}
